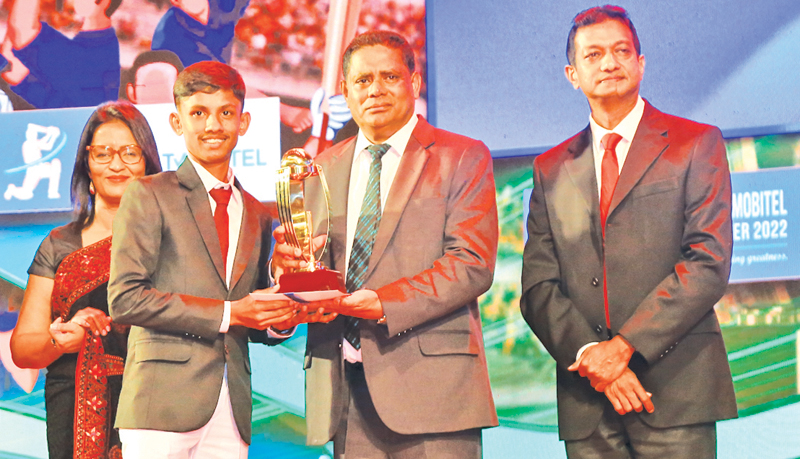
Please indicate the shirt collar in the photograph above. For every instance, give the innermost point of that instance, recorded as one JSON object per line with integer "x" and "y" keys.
{"x": 626, "y": 128}
{"x": 209, "y": 181}
{"x": 397, "y": 141}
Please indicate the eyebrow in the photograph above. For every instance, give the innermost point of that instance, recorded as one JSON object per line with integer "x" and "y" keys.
{"x": 613, "y": 45}
{"x": 230, "y": 106}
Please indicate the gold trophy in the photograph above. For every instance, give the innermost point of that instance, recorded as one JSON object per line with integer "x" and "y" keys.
{"x": 297, "y": 166}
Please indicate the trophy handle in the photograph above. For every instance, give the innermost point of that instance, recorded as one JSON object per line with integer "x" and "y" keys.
{"x": 326, "y": 192}
{"x": 284, "y": 197}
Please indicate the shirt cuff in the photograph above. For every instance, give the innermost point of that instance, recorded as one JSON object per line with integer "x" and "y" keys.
{"x": 583, "y": 349}
{"x": 226, "y": 318}
{"x": 269, "y": 273}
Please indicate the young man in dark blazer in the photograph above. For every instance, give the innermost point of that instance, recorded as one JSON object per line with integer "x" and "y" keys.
{"x": 416, "y": 384}
{"x": 629, "y": 246}
{"x": 184, "y": 261}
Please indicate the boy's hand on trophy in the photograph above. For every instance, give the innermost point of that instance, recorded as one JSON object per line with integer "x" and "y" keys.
{"x": 288, "y": 258}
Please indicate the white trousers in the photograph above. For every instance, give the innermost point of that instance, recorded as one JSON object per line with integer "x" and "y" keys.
{"x": 219, "y": 439}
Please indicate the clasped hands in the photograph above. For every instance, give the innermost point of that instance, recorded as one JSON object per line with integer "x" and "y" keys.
{"x": 605, "y": 364}
{"x": 68, "y": 336}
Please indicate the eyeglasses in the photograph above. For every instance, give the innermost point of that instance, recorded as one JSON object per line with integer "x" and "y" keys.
{"x": 104, "y": 154}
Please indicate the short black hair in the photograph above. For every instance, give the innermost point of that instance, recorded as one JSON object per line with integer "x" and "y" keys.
{"x": 112, "y": 6}
{"x": 153, "y": 56}
{"x": 597, "y": 15}
{"x": 208, "y": 77}
{"x": 379, "y": 37}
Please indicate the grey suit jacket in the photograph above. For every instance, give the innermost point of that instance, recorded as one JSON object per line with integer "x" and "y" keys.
{"x": 434, "y": 254}
{"x": 667, "y": 253}
{"x": 168, "y": 282}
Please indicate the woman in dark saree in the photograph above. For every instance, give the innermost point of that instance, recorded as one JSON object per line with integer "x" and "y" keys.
{"x": 64, "y": 323}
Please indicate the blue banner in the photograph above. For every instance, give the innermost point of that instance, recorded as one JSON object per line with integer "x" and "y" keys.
{"x": 38, "y": 154}
{"x": 766, "y": 244}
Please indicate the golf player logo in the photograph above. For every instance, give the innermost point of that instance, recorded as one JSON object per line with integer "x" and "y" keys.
{"x": 38, "y": 140}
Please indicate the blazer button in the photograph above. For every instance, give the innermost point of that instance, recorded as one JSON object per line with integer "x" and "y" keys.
{"x": 595, "y": 281}
{"x": 598, "y": 329}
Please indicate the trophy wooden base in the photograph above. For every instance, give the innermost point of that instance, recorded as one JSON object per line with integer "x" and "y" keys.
{"x": 319, "y": 280}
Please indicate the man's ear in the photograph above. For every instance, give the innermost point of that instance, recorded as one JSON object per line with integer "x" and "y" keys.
{"x": 244, "y": 123}
{"x": 175, "y": 123}
{"x": 572, "y": 76}
{"x": 416, "y": 83}
{"x": 130, "y": 91}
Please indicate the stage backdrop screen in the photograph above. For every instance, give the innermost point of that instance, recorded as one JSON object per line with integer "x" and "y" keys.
{"x": 496, "y": 69}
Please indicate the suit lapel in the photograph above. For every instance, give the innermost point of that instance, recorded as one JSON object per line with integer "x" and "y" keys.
{"x": 579, "y": 165}
{"x": 248, "y": 233}
{"x": 411, "y": 166}
{"x": 197, "y": 199}
{"x": 649, "y": 142}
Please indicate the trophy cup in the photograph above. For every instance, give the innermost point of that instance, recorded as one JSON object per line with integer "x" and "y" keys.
{"x": 297, "y": 166}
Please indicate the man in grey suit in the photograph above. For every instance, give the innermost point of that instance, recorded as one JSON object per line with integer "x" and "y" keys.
{"x": 629, "y": 246}
{"x": 189, "y": 246}
{"x": 401, "y": 373}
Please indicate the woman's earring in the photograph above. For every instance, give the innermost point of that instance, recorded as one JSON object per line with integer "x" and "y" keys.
{"x": 91, "y": 188}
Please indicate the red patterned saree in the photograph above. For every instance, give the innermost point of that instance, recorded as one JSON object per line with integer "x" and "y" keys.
{"x": 79, "y": 275}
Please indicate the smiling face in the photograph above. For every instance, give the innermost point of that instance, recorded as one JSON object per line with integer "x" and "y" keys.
{"x": 211, "y": 125}
{"x": 111, "y": 179}
{"x": 607, "y": 67}
{"x": 380, "y": 91}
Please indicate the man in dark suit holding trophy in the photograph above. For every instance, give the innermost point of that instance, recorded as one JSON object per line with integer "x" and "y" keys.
{"x": 401, "y": 373}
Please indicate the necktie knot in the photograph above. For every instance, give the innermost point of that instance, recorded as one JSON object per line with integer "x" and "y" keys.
{"x": 221, "y": 196}
{"x": 378, "y": 150}
{"x": 610, "y": 141}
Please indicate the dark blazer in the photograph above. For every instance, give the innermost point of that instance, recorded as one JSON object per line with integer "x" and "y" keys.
{"x": 168, "y": 282}
{"x": 434, "y": 254}
{"x": 667, "y": 252}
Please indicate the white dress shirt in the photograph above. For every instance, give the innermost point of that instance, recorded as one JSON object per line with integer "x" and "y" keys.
{"x": 626, "y": 129}
{"x": 359, "y": 175}
{"x": 235, "y": 210}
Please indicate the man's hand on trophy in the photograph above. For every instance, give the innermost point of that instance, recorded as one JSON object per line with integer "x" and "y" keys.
{"x": 286, "y": 257}
{"x": 363, "y": 304}
{"x": 306, "y": 315}
{"x": 259, "y": 314}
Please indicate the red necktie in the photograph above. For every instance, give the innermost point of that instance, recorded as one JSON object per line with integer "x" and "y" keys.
{"x": 222, "y": 196}
{"x": 609, "y": 175}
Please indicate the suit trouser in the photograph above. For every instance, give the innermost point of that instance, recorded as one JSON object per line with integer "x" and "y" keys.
{"x": 218, "y": 439}
{"x": 628, "y": 437}
{"x": 362, "y": 435}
